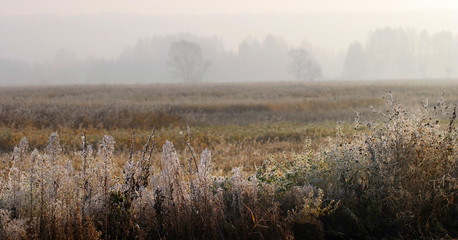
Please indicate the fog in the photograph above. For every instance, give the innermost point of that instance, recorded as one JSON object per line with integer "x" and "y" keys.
{"x": 54, "y": 43}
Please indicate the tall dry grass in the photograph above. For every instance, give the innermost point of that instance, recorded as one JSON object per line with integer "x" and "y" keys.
{"x": 395, "y": 178}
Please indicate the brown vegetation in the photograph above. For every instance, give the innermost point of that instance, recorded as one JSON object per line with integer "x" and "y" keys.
{"x": 392, "y": 176}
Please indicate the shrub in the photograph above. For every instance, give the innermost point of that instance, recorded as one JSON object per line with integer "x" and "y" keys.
{"x": 399, "y": 178}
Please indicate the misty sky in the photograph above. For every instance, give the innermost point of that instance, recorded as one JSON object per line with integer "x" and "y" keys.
{"x": 77, "y": 41}
{"x": 64, "y": 7}
{"x": 34, "y": 31}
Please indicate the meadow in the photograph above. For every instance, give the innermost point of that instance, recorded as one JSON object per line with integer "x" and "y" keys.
{"x": 316, "y": 160}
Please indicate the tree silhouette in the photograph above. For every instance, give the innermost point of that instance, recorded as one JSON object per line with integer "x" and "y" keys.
{"x": 303, "y": 66}
{"x": 355, "y": 62}
{"x": 186, "y": 61}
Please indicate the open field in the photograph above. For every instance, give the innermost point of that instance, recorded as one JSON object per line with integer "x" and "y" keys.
{"x": 137, "y": 106}
{"x": 352, "y": 180}
{"x": 240, "y": 123}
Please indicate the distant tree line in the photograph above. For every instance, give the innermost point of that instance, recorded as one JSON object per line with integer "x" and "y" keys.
{"x": 387, "y": 54}
{"x": 391, "y": 53}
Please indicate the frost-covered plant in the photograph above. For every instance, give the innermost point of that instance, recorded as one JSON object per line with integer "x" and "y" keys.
{"x": 105, "y": 179}
{"x": 291, "y": 180}
{"x": 16, "y": 177}
{"x": 11, "y": 227}
{"x": 54, "y": 200}
{"x": 400, "y": 174}
{"x": 288, "y": 172}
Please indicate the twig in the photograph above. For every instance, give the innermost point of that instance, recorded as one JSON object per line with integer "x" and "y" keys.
{"x": 132, "y": 146}
{"x": 452, "y": 119}
{"x": 188, "y": 143}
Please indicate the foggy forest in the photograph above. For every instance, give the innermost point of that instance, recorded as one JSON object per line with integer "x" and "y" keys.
{"x": 378, "y": 52}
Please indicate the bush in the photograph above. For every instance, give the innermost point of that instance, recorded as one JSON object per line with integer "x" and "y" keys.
{"x": 398, "y": 178}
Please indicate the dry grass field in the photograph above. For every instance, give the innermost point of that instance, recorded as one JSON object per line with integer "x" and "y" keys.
{"x": 314, "y": 159}
{"x": 240, "y": 123}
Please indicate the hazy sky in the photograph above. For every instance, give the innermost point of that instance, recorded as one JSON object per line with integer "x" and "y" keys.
{"x": 66, "y": 7}
{"x": 39, "y": 31}
{"x": 33, "y": 30}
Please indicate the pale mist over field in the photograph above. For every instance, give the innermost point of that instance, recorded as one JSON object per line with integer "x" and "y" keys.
{"x": 105, "y": 41}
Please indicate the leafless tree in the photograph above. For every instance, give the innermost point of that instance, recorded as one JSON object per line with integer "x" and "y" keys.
{"x": 187, "y": 62}
{"x": 303, "y": 66}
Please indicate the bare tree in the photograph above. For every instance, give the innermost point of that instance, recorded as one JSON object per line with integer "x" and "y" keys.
{"x": 303, "y": 66}
{"x": 187, "y": 62}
